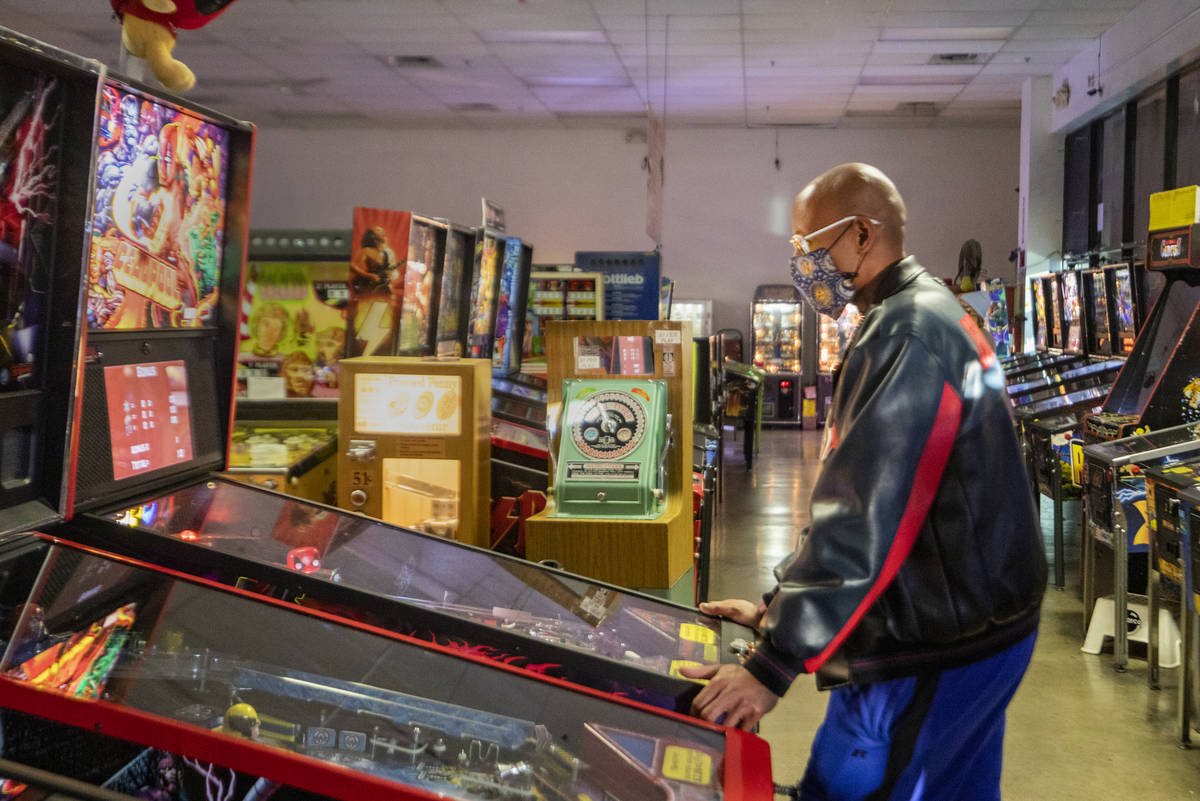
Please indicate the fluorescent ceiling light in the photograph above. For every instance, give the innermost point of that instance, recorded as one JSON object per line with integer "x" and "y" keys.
{"x": 593, "y": 81}
{"x": 944, "y": 34}
{"x": 542, "y": 37}
{"x": 914, "y": 80}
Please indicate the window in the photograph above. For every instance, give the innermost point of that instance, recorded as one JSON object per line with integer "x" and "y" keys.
{"x": 1149, "y": 158}
{"x": 1076, "y": 196}
{"x": 1111, "y": 189}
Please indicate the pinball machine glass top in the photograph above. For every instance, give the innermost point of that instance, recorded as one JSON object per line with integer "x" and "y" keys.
{"x": 377, "y": 705}
{"x": 435, "y": 574}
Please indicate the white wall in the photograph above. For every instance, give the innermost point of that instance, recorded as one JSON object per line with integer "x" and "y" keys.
{"x": 726, "y": 208}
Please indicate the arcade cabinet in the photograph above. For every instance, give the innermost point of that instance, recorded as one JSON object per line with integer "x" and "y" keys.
{"x": 1157, "y": 387}
{"x": 777, "y": 313}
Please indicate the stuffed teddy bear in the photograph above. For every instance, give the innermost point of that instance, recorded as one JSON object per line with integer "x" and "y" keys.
{"x": 148, "y": 29}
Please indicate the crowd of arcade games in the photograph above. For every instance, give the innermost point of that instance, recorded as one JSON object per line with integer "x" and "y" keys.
{"x": 170, "y": 631}
{"x": 1108, "y": 408}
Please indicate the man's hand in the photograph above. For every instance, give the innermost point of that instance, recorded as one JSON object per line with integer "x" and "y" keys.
{"x": 732, "y": 693}
{"x": 745, "y": 612}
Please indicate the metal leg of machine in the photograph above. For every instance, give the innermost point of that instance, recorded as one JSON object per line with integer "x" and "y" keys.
{"x": 1060, "y": 570}
{"x": 1153, "y": 587}
{"x": 1187, "y": 671}
{"x": 1120, "y": 602}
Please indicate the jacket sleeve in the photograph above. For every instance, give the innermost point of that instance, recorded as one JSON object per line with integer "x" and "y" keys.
{"x": 896, "y": 419}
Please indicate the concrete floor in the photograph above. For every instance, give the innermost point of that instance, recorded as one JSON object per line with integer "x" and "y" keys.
{"x": 1076, "y": 728}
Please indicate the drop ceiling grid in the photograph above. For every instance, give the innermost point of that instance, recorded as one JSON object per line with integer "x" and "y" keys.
{"x": 719, "y": 58}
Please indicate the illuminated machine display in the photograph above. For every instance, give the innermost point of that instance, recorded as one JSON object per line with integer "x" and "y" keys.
{"x": 557, "y": 296}
{"x": 415, "y": 444}
{"x": 614, "y": 388}
{"x": 511, "y": 298}
{"x": 697, "y": 312}
{"x": 1052, "y": 290}
{"x": 1159, "y": 385}
{"x": 1126, "y": 307}
{"x": 1073, "y": 331}
{"x": 275, "y": 699}
{"x": 1041, "y": 332}
{"x": 777, "y": 316}
{"x": 1098, "y": 311}
{"x": 485, "y": 289}
{"x": 454, "y": 297}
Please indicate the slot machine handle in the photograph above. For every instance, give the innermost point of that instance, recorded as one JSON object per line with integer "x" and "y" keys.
{"x": 553, "y": 425}
{"x": 660, "y": 492}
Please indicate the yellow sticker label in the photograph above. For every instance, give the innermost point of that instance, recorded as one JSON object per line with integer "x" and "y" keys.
{"x": 696, "y": 633}
{"x": 710, "y": 653}
{"x": 687, "y": 765}
{"x": 676, "y": 664}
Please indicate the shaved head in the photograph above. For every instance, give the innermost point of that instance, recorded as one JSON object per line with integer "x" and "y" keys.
{"x": 851, "y": 189}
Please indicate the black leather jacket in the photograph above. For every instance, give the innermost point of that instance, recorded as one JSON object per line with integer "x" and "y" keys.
{"x": 924, "y": 551}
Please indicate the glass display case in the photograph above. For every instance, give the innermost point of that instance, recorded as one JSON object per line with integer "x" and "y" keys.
{"x": 835, "y": 336}
{"x": 778, "y": 316}
{"x": 585, "y": 631}
{"x": 291, "y": 697}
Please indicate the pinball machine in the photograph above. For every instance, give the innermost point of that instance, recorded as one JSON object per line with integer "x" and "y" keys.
{"x": 1117, "y": 514}
{"x": 1160, "y": 382}
{"x": 110, "y": 662}
{"x": 1189, "y": 521}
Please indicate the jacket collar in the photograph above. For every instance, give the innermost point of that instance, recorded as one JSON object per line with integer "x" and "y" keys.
{"x": 891, "y": 279}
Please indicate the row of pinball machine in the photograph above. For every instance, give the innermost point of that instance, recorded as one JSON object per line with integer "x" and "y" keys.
{"x": 1108, "y": 409}
{"x": 184, "y": 612}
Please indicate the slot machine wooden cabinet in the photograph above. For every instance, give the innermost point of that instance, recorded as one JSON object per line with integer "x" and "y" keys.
{"x": 610, "y": 385}
{"x": 415, "y": 438}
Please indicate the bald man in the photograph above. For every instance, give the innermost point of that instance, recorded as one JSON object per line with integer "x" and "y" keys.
{"x": 914, "y": 594}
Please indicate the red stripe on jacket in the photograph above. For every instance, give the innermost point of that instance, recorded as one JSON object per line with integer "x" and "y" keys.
{"x": 983, "y": 345}
{"x": 929, "y": 475}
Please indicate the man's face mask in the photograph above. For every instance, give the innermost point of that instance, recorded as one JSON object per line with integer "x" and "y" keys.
{"x": 815, "y": 275}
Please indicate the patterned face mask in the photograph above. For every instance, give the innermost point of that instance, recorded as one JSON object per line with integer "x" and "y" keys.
{"x": 821, "y": 283}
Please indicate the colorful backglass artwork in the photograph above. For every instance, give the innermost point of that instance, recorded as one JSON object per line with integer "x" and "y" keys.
{"x": 158, "y": 221}
{"x": 295, "y": 333}
{"x": 30, "y": 114}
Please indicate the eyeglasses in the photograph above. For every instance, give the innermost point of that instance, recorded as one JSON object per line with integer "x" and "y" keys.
{"x": 802, "y": 242}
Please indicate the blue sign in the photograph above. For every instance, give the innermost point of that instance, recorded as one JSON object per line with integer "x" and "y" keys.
{"x": 631, "y": 281}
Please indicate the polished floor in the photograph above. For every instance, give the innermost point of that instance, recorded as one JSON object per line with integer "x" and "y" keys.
{"x": 1076, "y": 729}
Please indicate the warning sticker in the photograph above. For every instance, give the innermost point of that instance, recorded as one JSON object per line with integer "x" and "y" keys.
{"x": 687, "y": 765}
{"x": 696, "y": 633}
{"x": 603, "y": 471}
{"x": 710, "y": 653}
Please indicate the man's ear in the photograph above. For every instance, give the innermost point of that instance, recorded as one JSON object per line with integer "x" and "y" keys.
{"x": 864, "y": 232}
